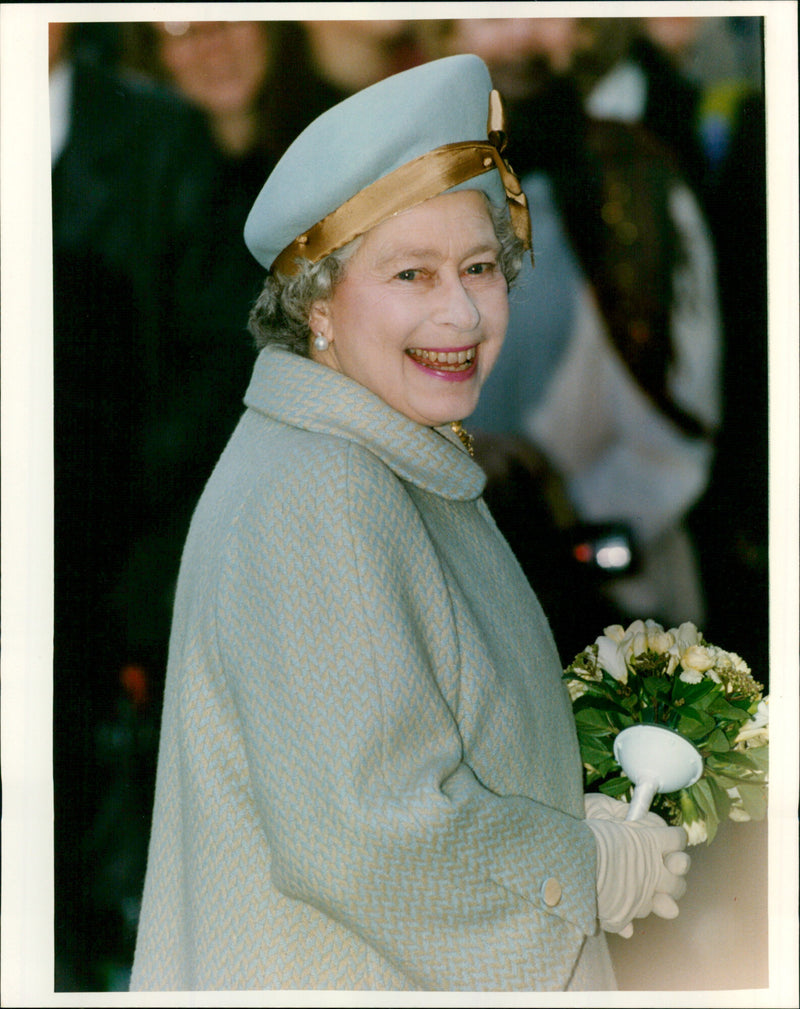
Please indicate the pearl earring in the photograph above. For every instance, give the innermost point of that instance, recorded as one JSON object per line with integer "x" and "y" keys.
{"x": 321, "y": 343}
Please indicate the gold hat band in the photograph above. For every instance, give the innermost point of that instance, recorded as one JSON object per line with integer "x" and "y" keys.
{"x": 427, "y": 176}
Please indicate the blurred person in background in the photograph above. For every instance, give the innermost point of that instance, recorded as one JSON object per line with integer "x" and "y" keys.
{"x": 130, "y": 173}
{"x": 223, "y": 67}
{"x": 614, "y": 373}
{"x": 257, "y": 84}
{"x": 322, "y": 62}
{"x": 721, "y": 59}
{"x": 227, "y": 70}
{"x": 351, "y": 55}
{"x": 720, "y": 66}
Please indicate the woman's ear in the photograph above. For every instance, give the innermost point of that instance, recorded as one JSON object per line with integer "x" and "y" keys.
{"x": 319, "y": 321}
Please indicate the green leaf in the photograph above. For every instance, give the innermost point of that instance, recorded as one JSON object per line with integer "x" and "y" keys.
{"x": 616, "y": 786}
{"x": 722, "y": 801}
{"x": 588, "y": 702}
{"x": 590, "y": 726}
{"x": 695, "y": 724}
{"x": 593, "y": 738}
{"x": 704, "y": 800}
{"x": 608, "y": 765}
{"x": 697, "y": 695}
{"x": 718, "y": 742}
{"x": 595, "y": 755}
{"x": 656, "y": 686}
{"x": 734, "y": 761}
{"x": 754, "y": 800}
{"x": 703, "y": 796}
{"x": 759, "y": 755}
{"x": 720, "y": 707}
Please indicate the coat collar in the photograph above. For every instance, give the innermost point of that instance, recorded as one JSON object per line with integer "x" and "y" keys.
{"x": 304, "y": 394}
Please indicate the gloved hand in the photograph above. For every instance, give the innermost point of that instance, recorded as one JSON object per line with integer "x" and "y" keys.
{"x": 640, "y": 864}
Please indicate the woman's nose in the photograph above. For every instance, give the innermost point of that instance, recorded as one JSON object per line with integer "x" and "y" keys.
{"x": 456, "y": 307}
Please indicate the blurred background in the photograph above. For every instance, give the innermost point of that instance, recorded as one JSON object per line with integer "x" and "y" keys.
{"x": 624, "y": 432}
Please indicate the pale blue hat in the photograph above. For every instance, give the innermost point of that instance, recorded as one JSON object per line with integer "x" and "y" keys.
{"x": 432, "y": 129}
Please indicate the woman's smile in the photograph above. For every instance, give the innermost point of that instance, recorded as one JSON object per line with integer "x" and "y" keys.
{"x": 454, "y": 364}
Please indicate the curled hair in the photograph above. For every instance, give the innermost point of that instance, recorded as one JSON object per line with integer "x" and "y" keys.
{"x": 281, "y": 312}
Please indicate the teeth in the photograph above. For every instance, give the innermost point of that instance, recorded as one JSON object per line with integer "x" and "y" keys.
{"x": 444, "y": 356}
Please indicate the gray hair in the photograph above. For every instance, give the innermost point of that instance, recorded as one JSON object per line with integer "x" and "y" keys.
{"x": 281, "y": 312}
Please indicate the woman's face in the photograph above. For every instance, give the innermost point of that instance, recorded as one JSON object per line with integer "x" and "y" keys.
{"x": 421, "y": 312}
{"x": 219, "y": 65}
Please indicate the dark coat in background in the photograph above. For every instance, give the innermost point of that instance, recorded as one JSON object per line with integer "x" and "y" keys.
{"x": 148, "y": 386}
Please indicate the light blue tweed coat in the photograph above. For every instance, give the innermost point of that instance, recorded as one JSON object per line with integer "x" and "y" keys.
{"x": 368, "y": 769}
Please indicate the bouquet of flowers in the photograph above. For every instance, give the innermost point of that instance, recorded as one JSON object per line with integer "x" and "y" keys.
{"x": 694, "y": 691}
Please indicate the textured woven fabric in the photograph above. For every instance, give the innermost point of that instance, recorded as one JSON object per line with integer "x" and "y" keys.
{"x": 368, "y": 767}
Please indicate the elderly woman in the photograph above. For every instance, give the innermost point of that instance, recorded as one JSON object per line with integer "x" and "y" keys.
{"x": 368, "y": 775}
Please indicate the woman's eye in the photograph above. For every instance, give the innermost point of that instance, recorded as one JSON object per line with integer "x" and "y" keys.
{"x": 478, "y": 269}
{"x": 407, "y": 274}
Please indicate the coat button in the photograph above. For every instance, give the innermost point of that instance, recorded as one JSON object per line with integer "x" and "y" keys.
{"x": 551, "y": 892}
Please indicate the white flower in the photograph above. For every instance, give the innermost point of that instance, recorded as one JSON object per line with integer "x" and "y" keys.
{"x": 756, "y": 731}
{"x": 698, "y": 657}
{"x": 685, "y": 636}
{"x": 695, "y": 661}
{"x": 737, "y": 811}
{"x": 617, "y": 645}
{"x": 576, "y": 688}
{"x": 612, "y": 657}
{"x": 659, "y": 640}
{"x": 673, "y": 659}
{"x": 696, "y": 831}
{"x": 615, "y": 631}
{"x": 738, "y": 663}
{"x": 761, "y": 717}
{"x": 636, "y": 638}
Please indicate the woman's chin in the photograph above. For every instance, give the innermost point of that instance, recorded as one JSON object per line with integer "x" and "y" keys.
{"x": 444, "y": 411}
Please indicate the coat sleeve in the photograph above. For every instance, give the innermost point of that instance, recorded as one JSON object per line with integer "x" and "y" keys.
{"x": 336, "y": 650}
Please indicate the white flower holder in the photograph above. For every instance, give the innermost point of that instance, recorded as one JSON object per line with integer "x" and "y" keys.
{"x": 657, "y": 760}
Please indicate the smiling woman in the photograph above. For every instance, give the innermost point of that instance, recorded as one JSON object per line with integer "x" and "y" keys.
{"x": 369, "y": 775}
{"x": 421, "y": 312}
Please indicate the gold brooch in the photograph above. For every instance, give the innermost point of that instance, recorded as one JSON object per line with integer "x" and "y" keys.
{"x": 465, "y": 437}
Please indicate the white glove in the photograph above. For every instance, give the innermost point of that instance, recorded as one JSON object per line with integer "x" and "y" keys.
{"x": 640, "y": 864}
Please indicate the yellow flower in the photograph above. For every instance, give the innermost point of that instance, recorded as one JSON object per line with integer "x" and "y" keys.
{"x": 695, "y": 661}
